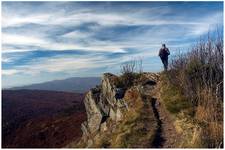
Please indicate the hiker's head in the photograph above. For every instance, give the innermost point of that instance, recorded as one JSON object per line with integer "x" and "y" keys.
{"x": 163, "y": 45}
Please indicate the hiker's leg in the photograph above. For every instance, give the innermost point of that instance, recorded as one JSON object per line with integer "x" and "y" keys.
{"x": 166, "y": 63}
{"x": 162, "y": 60}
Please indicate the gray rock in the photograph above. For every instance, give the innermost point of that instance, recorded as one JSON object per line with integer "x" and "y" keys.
{"x": 103, "y": 102}
{"x": 108, "y": 88}
{"x": 85, "y": 131}
{"x": 89, "y": 143}
{"x": 119, "y": 115}
{"x": 94, "y": 115}
{"x": 104, "y": 105}
{"x": 112, "y": 114}
{"x": 103, "y": 127}
{"x": 84, "y": 128}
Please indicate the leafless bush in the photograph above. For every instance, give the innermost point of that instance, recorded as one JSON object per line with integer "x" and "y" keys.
{"x": 128, "y": 67}
{"x": 199, "y": 74}
{"x": 140, "y": 66}
{"x": 200, "y": 68}
{"x": 133, "y": 66}
{"x": 130, "y": 71}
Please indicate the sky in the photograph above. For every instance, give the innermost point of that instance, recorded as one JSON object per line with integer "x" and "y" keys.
{"x": 44, "y": 41}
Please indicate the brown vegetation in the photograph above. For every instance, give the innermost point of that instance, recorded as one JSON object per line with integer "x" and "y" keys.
{"x": 193, "y": 89}
{"x": 130, "y": 71}
{"x": 34, "y": 118}
{"x": 49, "y": 132}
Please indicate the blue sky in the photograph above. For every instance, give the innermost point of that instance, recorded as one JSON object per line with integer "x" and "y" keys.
{"x": 43, "y": 41}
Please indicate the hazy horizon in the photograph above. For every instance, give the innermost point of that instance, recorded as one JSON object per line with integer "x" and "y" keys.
{"x": 21, "y": 85}
{"x": 45, "y": 41}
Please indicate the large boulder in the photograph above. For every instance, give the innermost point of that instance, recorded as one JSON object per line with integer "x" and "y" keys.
{"x": 113, "y": 96}
{"x": 103, "y": 102}
{"x": 94, "y": 114}
{"x": 108, "y": 88}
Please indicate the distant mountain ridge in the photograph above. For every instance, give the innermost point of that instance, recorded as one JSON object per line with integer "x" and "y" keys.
{"x": 74, "y": 84}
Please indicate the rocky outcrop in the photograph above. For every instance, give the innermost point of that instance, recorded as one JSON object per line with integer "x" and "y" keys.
{"x": 106, "y": 102}
{"x": 101, "y": 103}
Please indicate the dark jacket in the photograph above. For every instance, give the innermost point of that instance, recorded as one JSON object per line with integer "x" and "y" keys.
{"x": 164, "y": 52}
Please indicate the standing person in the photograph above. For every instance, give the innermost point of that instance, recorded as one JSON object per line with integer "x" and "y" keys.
{"x": 163, "y": 54}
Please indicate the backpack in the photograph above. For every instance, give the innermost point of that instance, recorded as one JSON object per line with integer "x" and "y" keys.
{"x": 164, "y": 52}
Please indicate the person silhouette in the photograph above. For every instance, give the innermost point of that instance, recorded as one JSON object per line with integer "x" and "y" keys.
{"x": 163, "y": 54}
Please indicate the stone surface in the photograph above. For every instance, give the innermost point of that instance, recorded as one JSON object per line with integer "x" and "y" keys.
{"x": 103, "y": 127}
{"x": 103, "y": 102}
{"x": 89, "y": 143}
{"x": 106, "y": 102}
{"x": 119, "y": 115}
{"x": 104, "y": 105}
{"x": 84, "y": 129}
{"x": 108, "y": 88}
{"x": 112, "y": 114}
{"x": 94, "y": 115}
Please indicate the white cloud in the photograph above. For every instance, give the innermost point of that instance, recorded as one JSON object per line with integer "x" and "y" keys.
{"x": 71, "y": 64}
{"x": 10, "y": 20}
{"x": 47, "y": 44}
{"x": 6, "y": 60}
{"x": 9, "y": 71}
{"x": 146, "y": 41}
{"x": 16, "y": 39}
{"x": 66, "y": 64}
{"x": 76, "y": 34}
{"x": 151, "y": 17}
{"x": 207, "y": 23}
{"x": 131, "y": 17}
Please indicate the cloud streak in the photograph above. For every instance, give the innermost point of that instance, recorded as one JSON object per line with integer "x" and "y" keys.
{"x": 47, "y": 36}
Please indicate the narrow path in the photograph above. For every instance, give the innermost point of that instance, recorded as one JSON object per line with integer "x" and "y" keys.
{"x": 166, "y": 136}
{"x": 159, "y": 139}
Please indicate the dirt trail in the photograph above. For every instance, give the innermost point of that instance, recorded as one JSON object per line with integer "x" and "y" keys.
{"x": 166, "y": 136}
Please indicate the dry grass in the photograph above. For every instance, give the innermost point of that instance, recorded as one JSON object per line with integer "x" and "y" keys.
{"x": 192, "y": 88}
{"x": 209, "y": 113}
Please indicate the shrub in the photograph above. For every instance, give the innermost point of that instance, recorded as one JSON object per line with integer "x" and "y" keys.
{"x": 195, "y": 79}
{"x": 130, "y": 71}
{"x": 199, "y": 69}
